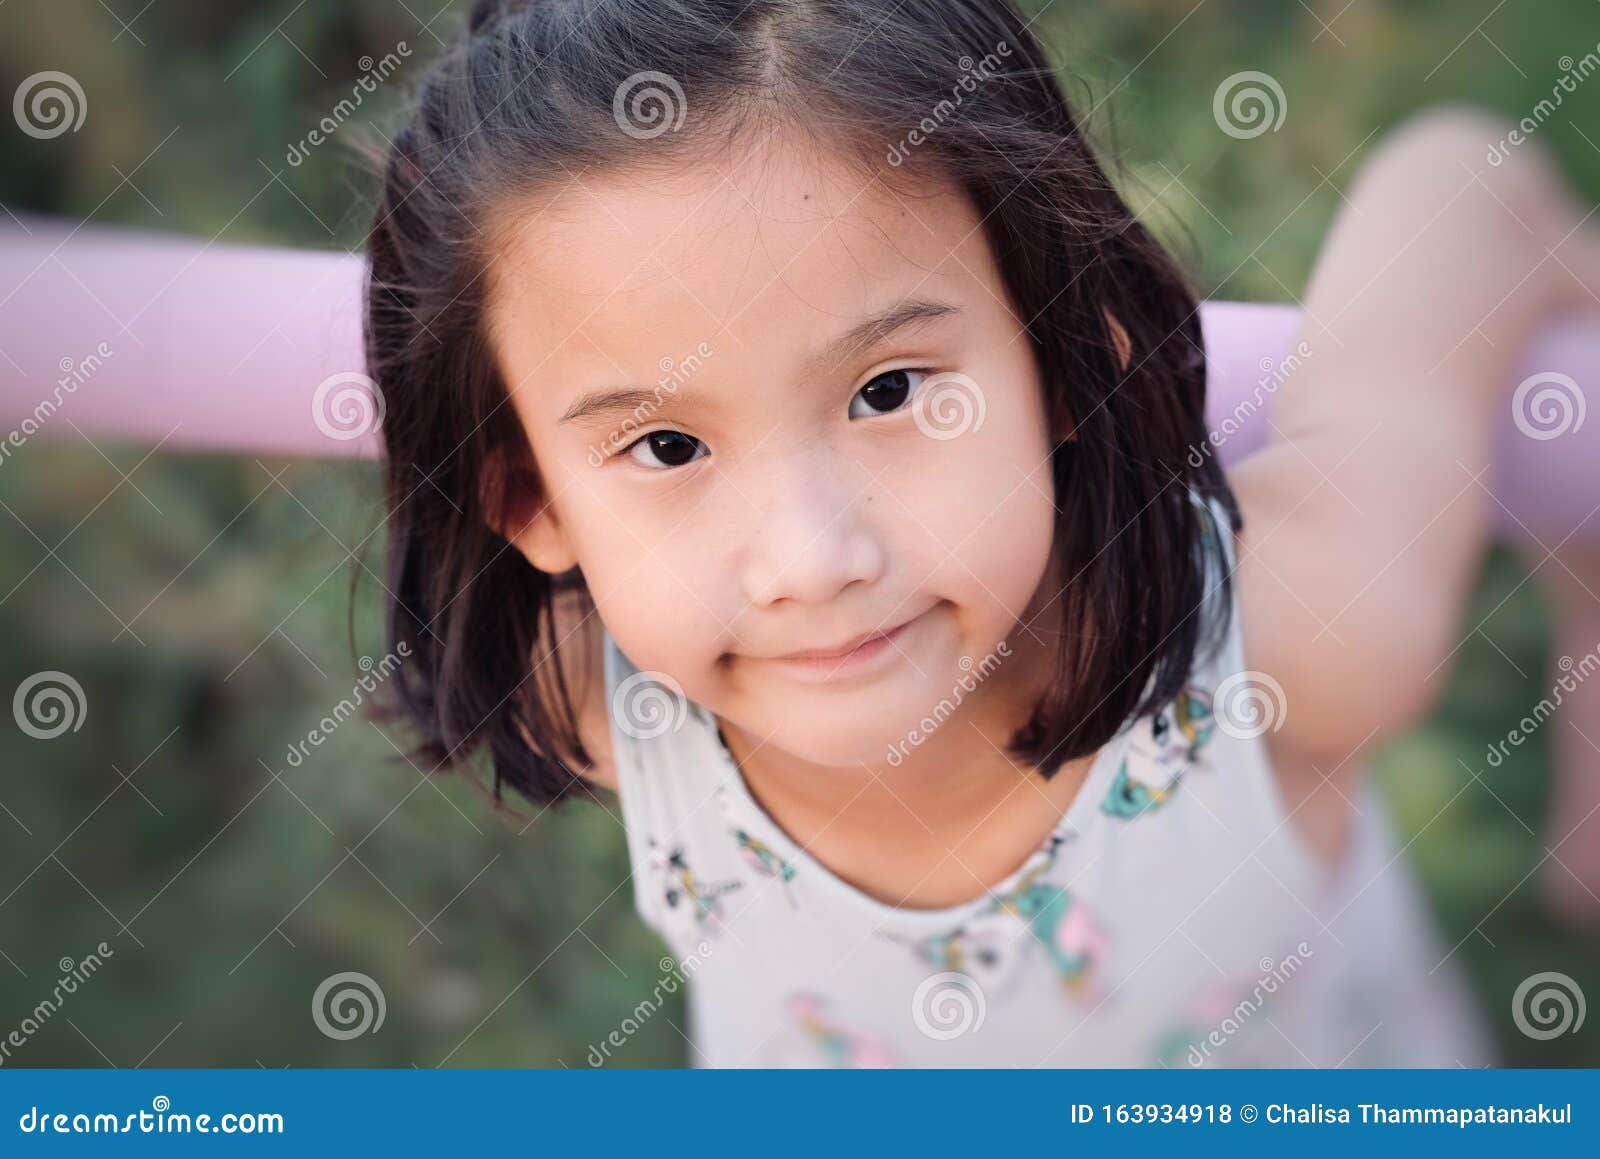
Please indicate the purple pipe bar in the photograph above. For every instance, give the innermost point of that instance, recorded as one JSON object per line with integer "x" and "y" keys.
{"x": 147, "y": 339}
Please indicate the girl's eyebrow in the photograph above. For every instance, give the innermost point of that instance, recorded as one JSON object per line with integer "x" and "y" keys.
{"x": 859, "y": 338}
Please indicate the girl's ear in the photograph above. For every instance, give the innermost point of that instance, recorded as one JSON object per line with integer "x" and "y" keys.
{"x": 516, "y": 508}
{"x": 1065, "y": 431}
{"x": 1120, "y": 338}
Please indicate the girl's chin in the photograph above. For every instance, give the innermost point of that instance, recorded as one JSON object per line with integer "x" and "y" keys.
{"x": 866, "y": 735}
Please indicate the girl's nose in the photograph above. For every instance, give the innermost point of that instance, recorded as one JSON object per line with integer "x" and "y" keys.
{"x": 809, "y": 539}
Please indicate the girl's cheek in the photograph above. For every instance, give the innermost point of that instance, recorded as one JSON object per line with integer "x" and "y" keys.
{"x": 656, "y": 603}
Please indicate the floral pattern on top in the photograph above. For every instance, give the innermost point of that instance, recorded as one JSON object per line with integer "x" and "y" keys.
{"x": 762, "y": 858}
{"x": 1163, "y": 747}
{"x": 1031, "y": 913}
{"x": 683, "y": 893}
{"x": 828, "y": 1042}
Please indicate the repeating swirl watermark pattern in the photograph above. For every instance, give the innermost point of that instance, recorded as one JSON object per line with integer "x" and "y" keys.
{"x": 1548, "y": 405}
{"x": 648, "y": 104}
{"x": 1548, "y": 1005}
{"x": 1248, "y": 104}
{"x": 948, "y": 406}
{"x": 48, "y": 104}
{"x": 348, "y": 1005}
{"x": 948, "y": 1005}
{"x": 1248, "y": 704}
{"x": 649, "y": 704}
{"x": 347, "y": 406}
{"x": 48, "y": 704}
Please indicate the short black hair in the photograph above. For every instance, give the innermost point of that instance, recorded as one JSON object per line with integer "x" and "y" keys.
{"x": 530, "y": 92}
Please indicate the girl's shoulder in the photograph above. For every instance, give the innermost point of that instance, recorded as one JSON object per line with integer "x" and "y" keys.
{"x": 581, "y": 656}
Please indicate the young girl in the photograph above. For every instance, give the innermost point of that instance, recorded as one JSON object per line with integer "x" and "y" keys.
{"x": 789, "y": 428}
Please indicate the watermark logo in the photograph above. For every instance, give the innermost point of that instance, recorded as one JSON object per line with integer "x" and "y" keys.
{"x": 673, "y": 973}
{"x": 947, "y": 706}
{"x": 1274, "y": 373}
{"x": 972, "y": 75}
{"x": 1248, "y": 104}
{"x": 1573, "y": 73}
{"x": 73, "y": 975}
{"x": 48, "y": 104}
{"x": 948, "y": 1005}
{"x": 347, "y": 406}
{"x": 1248, "y": 704}
{"x": 348, "y": 1005}
{"x": 346, "y": 708}
{"x": 1548, "y": 405}
{"x": 948, "y": 406}
{"x": 673, "y": 375}
{"x": 1230, "y": 1021}
{"x": 1573, "y": 673}
{"x": 1548, "y": 1005}
{"x": 648, "y": 104}
{"x": 48, "y": 704}
{"x": 375, "y": 73}
{"x": 649, "y": 704}
{"x": 74, "y": 373}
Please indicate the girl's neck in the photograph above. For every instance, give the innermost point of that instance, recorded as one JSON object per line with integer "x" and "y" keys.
{"x": 953, "y": 818}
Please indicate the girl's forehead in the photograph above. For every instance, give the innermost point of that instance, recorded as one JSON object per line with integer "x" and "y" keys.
{"x": 780, "y": 238}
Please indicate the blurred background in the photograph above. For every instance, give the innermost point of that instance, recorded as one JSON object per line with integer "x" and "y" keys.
{"x": 204, "y": 603}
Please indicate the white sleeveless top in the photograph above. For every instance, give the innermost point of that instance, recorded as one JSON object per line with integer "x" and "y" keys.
{"x": 1173, "y": 918}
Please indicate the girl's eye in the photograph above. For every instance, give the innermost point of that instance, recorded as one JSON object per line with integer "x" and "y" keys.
{"x": 885, "y": 393}
{"x": 664, "y": 450}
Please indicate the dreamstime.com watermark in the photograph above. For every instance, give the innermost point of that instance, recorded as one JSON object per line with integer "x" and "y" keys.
{"x": 972, "y": 75}
{"x": 1274, "y": 373}
{"x": 1573, "y": 74}
{"x": 673, "y": 972}
{"x": 155, "y": 1121}
{"x": 374, "y": 74}
{"x": 74, "y": 373}
{"x": 947, "y": 706}
{"x": 1575, "y": 672}
{"x": 73, "y": 975}
{"x": 673, "y": 375}
{"x": 346, "y": 708}
{"x": 1273, "y": 976}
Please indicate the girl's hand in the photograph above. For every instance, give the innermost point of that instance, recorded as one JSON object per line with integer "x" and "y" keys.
{"x": 1366, "y": 513}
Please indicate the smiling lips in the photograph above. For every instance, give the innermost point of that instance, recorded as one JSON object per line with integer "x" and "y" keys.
{"x": 855, "y": 651}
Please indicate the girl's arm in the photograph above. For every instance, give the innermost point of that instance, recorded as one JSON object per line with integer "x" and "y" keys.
{"x": 1571, "y": 578}
{"x": 1368, "y": 508}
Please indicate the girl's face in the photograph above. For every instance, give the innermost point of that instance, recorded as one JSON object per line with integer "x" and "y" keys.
{"x": 777, "y": 408}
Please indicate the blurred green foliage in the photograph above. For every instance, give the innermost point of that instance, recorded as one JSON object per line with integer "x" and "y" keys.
{"x": 229, "y": 884}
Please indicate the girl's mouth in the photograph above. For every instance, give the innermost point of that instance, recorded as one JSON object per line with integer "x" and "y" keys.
{"x": 850, "y": 658}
